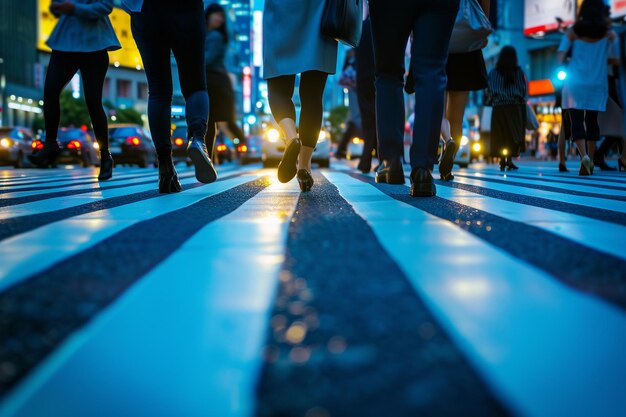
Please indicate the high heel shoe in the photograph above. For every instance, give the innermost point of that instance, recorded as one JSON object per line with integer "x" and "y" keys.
{"x": 502, "y": 164}
{"x": 562, "y": 167}
{"x": 586, "y": 168}
{"x": 288, "y": 168}
{"x": 106, "y": 166}
{"x": 511, "y": 166}
{"x": 305, "y": 179}
{"x": 621, "y": 165}
{"x": 46, "y": 157}
{"x": 168, "y": 177}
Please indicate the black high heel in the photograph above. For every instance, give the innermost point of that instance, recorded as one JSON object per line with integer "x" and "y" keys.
{"x": 46, "y": 157}
{"x": 562, "y": 167}
{"x": 106, "y": 166}
{"x": 288, "y": 164}
{"x": 511, "y": 166}
{"x": 305, "y": 179}
{"x": 502, "y": 164}
{"x": 168, "y": 177}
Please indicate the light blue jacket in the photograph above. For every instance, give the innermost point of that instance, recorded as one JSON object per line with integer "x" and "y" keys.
{"x": 88, "y": 29}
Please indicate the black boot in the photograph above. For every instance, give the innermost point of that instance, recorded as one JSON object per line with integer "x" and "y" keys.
{"x": 46, "y": 157}
{"x": 197, "y": 151}
{"x": 106, "y": 166}
{"x": 422, "y": 183}
{"x": 168, "y": 178}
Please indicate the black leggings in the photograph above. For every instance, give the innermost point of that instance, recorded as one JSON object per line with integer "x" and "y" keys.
{"x": 584, "y": 124}
{"x": 62, "y": 67}
{"x": 312, "y": 85}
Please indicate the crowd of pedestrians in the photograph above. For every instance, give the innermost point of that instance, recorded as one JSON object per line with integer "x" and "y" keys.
{"x": 294, "y": 44}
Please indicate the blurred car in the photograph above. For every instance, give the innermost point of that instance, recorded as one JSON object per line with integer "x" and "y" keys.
{"x": 179, "y": 145}
{"x": 355, "y": 148}
{"x": 224, "y": 150}
{"x": 463, "y": 157}
{"x": 77, "y": 147}
{"x": 251, "y": 151}
{"x": 131, "y": 144}
{"x": 15, "y": 145}
{"x": 274, "y": 147}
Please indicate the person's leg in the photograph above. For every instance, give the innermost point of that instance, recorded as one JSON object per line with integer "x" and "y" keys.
{"x": 391, "y": 27}
{"x": 93, "y": 69}
{"x": 209, "y": 137}
{"x": 431, "y": 33}
{"x": 61, "y": 69}
{"x": 593, "y": 131}
{"x": 367, "y": 107}
{"x": 280, "y": 93}
{"x": 237, "y": 132}
{"x": 579, "y": 135}
{"x": 312, "y": 85}
{"x": 150, "y": 31}
{"x": 455, "y": 110}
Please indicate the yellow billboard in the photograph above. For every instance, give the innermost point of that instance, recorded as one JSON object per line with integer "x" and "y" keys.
{"x": 127, "y": 57}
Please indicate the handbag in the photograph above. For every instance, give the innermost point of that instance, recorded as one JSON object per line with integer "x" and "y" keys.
{"x": 471, "y": 29}
{"x": 532, "y": 123}
{"x": 611, "y": 121}
{"x": 342, "y": 21}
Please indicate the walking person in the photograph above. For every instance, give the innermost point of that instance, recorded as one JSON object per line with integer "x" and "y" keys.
{"x": 293, "y": 44}
{"x": 508, "y": 93}
{"x": 610, "y": 141}
{"x": 586, "y": 90}
{"x": 79, "y": 42}
{"x": 466, "y": 72}
{"x": 219, "y": 86}
{"x": 353, "y": 121}
{"x": 366, "y": 93}
{"x": 431, "y": 22}
{"x": 162, "y": 27}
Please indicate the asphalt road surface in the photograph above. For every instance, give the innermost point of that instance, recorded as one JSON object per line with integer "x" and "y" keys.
{"x": 503, "y": 295}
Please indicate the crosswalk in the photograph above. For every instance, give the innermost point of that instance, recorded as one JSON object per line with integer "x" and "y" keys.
{"x": 505, "y": 294}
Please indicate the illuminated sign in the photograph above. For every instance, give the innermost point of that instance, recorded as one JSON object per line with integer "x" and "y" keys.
{"x": 257, "y": 38}
{"x": 247, "y": 89}
{"x": 618, "y": 8}
{"x": 542, "y": 16}
{"x": 127, "y": 57}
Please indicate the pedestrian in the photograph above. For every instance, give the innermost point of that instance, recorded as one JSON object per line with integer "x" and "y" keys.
{"x": 610, "y": 141}
{"x": 431, "y": 23}
{"x": 293, "y": 44}
{"x": 79, "y": 42}
{"x": 366, "y": 93}
{"x": 219, "y": 86}
{"x": 508, "y": 92}
{"x": 585, "y": 90}
{"x": 565, "y": 133}
{"x": 353, "y": 120}
{"x": 466, "y": 72}
{"x": 162, "y": 27}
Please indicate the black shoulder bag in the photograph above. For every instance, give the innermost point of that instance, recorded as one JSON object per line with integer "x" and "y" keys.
{"x": 343, "y": 21}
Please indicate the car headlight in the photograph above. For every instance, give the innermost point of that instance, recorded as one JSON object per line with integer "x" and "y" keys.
{"x": 6, "y": 143}
{"x": 357, "y": 141}
{"x": 464, "y": 141}
{"x": 323, "y": 136}
{"x": 273, "y": 135}
{"x": 96, "y": 145}
{"x": 476, "y": 147}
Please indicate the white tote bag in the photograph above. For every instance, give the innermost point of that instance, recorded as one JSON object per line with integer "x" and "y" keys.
{"x": 471, "y": 29}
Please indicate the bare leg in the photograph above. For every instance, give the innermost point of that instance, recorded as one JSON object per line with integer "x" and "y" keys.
{"x": 561, "y": 147}
{"x": 580, "y": 144}
{"x": 455, "y": 110}
{"x": 304, "y": 158}
{"x": 288, "y": 127}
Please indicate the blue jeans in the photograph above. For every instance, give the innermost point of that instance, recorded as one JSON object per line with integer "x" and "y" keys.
{"x": 162, "y": 28}
{"x": 431, "y": 22}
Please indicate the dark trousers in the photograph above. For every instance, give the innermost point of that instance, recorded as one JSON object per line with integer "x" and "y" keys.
{"x": 280, "y": 93}
{"x": 431, "y": 22}
{"x": 63, "y": 66}
{"x": 366, "y": 91}
{"x": 162, "y": 28}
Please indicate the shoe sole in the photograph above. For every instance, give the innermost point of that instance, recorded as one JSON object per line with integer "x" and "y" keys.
{"x": 447, "y": 161}
{"x": 205, "y": 173}
{"x": 423, "y": 190}
{"x": 287, "y": 169}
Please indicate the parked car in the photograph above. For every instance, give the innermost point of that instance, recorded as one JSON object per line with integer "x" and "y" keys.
{"x": 15, "y": 145}
{"x": 131, "y": 144}
{"x": 251, "y": 151}
{"x": 179, "y": 145}
{"x": 274, "y": 147}
{"x": 77, "y": 147}
{"x": 355, "y": 148}
{"x": 224, "y": 150}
